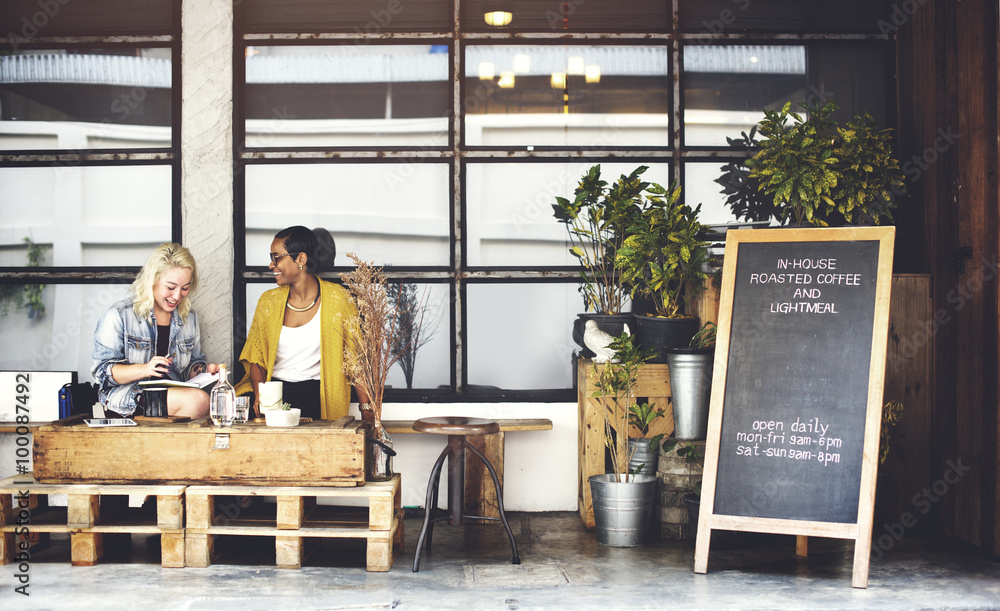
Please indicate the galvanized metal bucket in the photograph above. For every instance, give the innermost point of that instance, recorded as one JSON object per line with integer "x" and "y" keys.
{"x": 691, "y": 387}
{"x": 643, "y": 455}
{"x": 622, "y": 510}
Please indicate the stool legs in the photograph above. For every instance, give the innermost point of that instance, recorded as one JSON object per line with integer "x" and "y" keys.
{"x": 516, "y": 559}
{"x": 455, "y": 453}
{"x": 430, "y": 504}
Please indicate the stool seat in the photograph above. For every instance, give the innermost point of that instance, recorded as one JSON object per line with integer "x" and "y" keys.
{"x": 456, "y": 425}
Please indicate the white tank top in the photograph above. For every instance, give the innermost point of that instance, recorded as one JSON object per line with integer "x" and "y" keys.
{"x": 299, "y": 352}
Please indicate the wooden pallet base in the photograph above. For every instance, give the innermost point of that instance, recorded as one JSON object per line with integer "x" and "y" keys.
{"x": 91, "y": 512}
{"x": 291, "y": 547}
{"x": 295, "y": 518}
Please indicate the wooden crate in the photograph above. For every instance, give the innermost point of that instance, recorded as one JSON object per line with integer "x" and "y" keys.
{"x": 321, "y": 453}
{"x": 295, "y": 517}
{"x": 82, "y": 517}
{"x": 653, "y": 385}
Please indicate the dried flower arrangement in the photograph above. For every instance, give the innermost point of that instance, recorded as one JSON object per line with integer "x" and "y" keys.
{"x": 372, "y": 344}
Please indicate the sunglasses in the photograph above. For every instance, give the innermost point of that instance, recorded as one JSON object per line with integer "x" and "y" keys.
{"x": 275, "y": 257}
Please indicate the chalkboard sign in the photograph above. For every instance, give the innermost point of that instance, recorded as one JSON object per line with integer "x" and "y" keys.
{"x": 796, "y": 397}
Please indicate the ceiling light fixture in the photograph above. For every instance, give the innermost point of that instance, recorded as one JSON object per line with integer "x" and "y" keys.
{"x": 497, "y": 19}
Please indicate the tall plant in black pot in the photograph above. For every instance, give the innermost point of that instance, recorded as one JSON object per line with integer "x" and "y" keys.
{"x": 597, "y": 221}
{"x": 664, "y": 260}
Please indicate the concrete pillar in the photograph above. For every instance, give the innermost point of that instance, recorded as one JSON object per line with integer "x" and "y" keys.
{"x": 207, "y": 165}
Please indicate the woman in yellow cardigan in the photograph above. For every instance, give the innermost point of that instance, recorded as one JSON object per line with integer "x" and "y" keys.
{"x": 297, "y": 334}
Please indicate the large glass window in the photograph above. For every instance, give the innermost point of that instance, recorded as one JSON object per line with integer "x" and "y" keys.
{"x": 725, "y": 87}
{"x": 436, "y": 146}
{"x": 348, "y": 95}
{"x": 58, "y": 336}
{"x": 509, "y": 209}
{"x": 88, "y": 167}
{"x": 387, "y": 213}
{"x": 580, "y": 96}
{"x": 85, "y": 99}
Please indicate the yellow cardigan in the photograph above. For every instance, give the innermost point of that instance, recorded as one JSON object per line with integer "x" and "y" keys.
{"x": 261, "y": 346}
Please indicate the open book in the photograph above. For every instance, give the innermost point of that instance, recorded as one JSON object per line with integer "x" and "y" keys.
{"x": 199, "y": 381}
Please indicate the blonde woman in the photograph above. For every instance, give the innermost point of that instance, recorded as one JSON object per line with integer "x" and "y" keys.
{"x": 153, "y": 334}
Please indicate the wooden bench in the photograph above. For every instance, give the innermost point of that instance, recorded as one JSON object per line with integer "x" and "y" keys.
{"x": 480, "y": 496}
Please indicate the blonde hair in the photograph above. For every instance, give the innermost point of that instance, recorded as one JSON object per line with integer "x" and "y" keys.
{"x": 166, "y": 257}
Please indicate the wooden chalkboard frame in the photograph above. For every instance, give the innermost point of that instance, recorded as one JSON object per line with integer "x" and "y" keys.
{"x": 861, "y": 530}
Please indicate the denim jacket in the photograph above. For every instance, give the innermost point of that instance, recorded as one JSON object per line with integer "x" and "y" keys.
{"x": 123, "y": 338}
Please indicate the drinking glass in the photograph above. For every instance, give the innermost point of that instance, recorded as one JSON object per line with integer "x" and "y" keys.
{"x": 242, "y": 409}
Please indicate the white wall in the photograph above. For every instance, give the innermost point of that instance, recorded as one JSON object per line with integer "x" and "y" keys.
{"x": 540, "y": 467}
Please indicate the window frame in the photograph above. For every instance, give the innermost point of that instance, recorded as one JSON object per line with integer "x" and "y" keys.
{"x": 459, "y": 275}
{"x": 115, "y": 157}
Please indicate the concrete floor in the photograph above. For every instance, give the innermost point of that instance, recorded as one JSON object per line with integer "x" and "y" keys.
{"x": 563, "y": 567}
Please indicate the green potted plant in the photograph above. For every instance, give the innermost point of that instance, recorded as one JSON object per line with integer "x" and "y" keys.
{"x": 663, "y": 261}
{"x": 813, "y": 171}
{"x": 597, "y": 221}
{"x": 623, "y": 499}
{"x": 691, "y": 383}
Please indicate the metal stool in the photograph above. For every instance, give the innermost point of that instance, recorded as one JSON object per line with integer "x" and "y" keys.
{"x": 456, "y": 428}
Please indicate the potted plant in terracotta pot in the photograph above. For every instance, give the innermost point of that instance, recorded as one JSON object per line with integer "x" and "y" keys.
{"x": 664, "y": 260}
{"x": 623, "y": 499}
{"x": 597, "y": 221}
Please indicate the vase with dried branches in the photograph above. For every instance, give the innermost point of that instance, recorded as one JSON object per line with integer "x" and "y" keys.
{"x": 371, "y": 348}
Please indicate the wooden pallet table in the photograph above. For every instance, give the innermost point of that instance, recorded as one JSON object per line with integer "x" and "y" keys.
{"x": 327, "y": 453}
{"x": 24, "y": 503}
{"x": 295, "y": 517}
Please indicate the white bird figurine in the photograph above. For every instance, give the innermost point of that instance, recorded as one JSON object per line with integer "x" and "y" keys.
{"x": 598, "y": 341}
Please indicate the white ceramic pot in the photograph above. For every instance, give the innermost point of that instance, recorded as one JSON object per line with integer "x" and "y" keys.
{"x": 282, "y": 417}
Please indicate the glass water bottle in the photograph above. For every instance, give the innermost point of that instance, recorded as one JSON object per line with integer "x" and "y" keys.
{"x": 223, "y": 400}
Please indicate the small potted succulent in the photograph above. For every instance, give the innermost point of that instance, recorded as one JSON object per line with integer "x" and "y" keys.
{"x": 283, "y": 415}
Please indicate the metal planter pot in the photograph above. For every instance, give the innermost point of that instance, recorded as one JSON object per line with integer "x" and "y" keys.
{"x": 691, "y": 390}
{"x": 643, "y": 455}
{"x": 622, "y": 510}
